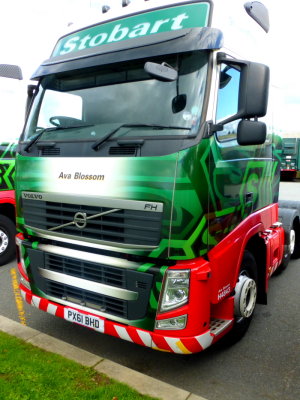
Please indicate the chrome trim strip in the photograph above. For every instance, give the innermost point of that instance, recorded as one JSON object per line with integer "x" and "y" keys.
{"x": 91, "y": 286}
{"x": 96, "y": 201}
{"x": 99, "y": 244}
{"x": 238, "y": 160}
{"x": 90, "y": 257}
{"x": 85, "y": 219}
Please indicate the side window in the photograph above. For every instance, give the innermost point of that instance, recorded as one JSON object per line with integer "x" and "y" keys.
{"x": 59, "y": 104}
{"x": 228, "y": 96}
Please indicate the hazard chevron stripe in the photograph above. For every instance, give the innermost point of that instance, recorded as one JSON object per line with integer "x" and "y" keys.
{"x": 184, "y": 345}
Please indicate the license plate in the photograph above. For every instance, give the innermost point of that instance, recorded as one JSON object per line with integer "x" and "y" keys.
{"x": 83, "y": 319}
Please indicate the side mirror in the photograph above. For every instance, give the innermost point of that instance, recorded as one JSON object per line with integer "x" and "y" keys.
{"x": 253, "y": 90}
{"x": 11, "y": 71}
{"x": 251, "y": 132}
{"x": 259, "y": 13}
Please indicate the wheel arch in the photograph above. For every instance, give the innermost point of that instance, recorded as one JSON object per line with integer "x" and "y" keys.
{"x": 8, "y": 209}
{"x": 257, "y": 247}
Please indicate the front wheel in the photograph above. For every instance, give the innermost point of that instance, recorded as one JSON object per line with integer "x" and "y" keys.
{"x": 7, "y": 240}
{"x": 244, "y": 299}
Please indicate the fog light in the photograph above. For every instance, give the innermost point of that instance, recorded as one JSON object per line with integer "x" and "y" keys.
{"x": 172, "y": 323}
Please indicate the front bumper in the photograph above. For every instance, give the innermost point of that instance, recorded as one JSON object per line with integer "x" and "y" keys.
{"x": 154, "y": 340}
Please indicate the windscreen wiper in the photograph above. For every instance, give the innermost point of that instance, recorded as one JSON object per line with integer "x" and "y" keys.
{"x": 54, "y": 129}
{"x": 99, "y": 142}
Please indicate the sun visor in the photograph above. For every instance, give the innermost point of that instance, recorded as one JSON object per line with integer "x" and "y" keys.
{"x": 180, "y": 41}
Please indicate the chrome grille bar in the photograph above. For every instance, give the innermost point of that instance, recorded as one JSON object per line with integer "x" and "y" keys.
{"x": 91, "y": 286}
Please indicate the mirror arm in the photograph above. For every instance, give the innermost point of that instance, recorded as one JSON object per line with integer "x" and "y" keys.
{"x": 217, "y": 128}
{"x": 223, "y": 58}
{"x": 213, "y": 128}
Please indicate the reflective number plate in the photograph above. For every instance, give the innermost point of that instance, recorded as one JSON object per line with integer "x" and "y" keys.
{"x": 84, "y": 319}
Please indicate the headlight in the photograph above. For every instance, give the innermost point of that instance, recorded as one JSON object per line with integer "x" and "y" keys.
{"x": 176, "y": 290}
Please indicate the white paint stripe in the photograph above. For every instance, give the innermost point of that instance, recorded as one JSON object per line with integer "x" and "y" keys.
{"x": 51, "y": 309}
{"x": 36, "y": 301}
{"x": 145, "y": 338}
{"x": 122, "y": 332}
{"x": 205, "y": 340}
{"x": 172, "y": 342}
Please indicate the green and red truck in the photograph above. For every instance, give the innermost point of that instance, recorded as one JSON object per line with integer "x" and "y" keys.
{"x": 147, "y": 177}
{"x": 290, "y": 158}
{"x": 8, "y": 145}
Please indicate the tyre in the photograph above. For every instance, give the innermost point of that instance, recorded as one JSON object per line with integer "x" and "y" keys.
{"x": 244, "y": 299}
{"x": 290, "y": 236}
{"x": 7, "y": 240}
{"x": 296, "y": 252}
{"x": 290, "y": 221}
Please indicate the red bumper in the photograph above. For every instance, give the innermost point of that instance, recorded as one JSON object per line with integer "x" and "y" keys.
{"x": 154, "y": 340}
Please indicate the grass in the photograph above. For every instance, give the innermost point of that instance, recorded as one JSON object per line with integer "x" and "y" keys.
{"x": 29, "y": 373}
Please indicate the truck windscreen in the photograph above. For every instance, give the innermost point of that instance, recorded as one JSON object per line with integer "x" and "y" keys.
{"x": 89, "y": 104}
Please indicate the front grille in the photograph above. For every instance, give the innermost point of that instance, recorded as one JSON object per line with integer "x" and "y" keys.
{"x": 122, "y": 226}
{"x": 123, "y": 151}
{"x": 86, "y": 270}
{"x": 50, "y": 151}
{"x": 112, "y": 277}
{"x": 88, "y": 299}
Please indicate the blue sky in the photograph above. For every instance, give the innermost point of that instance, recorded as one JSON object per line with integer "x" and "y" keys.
{"x": 29, "y": 30}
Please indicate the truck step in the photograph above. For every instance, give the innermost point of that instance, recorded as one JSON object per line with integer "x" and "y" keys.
{"x": 217, "y": 326}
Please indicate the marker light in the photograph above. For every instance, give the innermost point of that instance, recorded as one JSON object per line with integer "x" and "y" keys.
{"x": 105, "y": 9}
{"x": 21, "y": 264}
{"x": 176, "y": 290}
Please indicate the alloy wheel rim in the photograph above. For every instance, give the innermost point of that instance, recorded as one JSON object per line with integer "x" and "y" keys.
{"x": 3, "y": 241}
